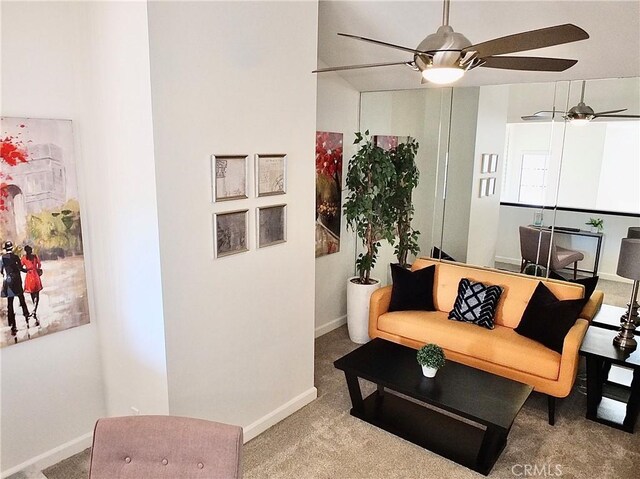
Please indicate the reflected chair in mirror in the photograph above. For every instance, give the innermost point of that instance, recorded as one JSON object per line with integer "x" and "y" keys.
{"x": 536, "y": 246}
{"x": 163, "y": 447}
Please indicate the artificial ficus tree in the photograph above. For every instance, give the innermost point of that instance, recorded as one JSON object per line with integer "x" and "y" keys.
{"x": 400, "y": 198}
{"x": 368, "y": 211}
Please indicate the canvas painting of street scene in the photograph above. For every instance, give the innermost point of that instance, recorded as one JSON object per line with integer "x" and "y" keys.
{"x": 44, "y": 287}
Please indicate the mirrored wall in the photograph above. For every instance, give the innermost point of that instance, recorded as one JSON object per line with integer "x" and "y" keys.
{"x": 497, "y": 160}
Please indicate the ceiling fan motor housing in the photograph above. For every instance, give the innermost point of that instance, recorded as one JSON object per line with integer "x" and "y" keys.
{"x": 580, "y": 112}
{"x": 443, "y": 49}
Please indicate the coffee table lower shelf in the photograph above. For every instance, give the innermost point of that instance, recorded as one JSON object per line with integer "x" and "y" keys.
{"x": 466, "y": 444}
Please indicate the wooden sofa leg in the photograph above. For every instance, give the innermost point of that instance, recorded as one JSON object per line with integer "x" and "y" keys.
{"x": 552, "y": 409}
{"x": 575, "y": 270}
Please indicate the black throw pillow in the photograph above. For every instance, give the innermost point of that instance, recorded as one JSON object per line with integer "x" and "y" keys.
{"x": 412, "y": 290}
{"x": 547, "y": 319}
{"x": 589, "y": 283}
{"x": 476, "y": 303}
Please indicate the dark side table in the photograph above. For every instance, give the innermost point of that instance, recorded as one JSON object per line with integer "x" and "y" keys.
{"x": 620, "y": 409}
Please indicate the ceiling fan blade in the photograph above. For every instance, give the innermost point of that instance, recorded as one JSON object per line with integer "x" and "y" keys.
{"x": 520, "y": 42}
{"x": 617, "y": 116}
{"x": 384, "y": 44}
{"x": 538, "y": 64}
{"x": 540, "y": 115}
{"x": 356, "y": 67}
{"x": 602, "y": 113}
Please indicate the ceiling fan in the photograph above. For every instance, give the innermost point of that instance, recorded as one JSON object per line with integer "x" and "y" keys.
{"x": 444, "y": 57}
{"x": 579, "y": 114}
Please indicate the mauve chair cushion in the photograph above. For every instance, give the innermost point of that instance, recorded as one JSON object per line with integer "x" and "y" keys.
{"x": 165, "y": 447}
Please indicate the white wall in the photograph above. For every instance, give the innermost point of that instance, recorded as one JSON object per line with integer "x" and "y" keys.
{"x": 484, "y": 214}
{"x": 235, "y": 78}
{"x": 51, "y": 387}
{"x": 89, "y": 62}
{"x": 338, "y": 105}
{"x": 120, "y": 179}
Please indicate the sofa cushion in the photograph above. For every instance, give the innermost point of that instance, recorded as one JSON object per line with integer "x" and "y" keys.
{"x": 547, "y": 319}
{"x": 412, "y": 290}
{"x": 476, "y": 303}
{"x": 517, "y": 288}
{"x": 501, "y": 346}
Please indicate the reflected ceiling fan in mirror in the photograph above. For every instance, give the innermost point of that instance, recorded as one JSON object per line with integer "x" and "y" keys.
{"x": 444, "y": 57}
{"x": 579, "y": 114}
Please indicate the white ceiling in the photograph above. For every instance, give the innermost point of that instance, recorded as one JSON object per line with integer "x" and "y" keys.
{"x": 613, "y": 49}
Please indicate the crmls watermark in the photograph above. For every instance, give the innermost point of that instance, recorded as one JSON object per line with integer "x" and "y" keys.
{"x": 536, "y": 470}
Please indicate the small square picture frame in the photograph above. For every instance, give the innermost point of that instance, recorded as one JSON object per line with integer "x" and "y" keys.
{"x": 484, "y": 182}
{"x": 229, "y": 177}
{"x": 485, "y": 163}
{"x": 271, "y": 174}
{"x": 491, "y": 186}
{"x": 493, "y": 163}
{"x": 271, "y": 224}
{"x": 230, "y": 233}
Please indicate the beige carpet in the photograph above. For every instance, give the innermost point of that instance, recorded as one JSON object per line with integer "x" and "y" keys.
{"x": 323, "y": 441}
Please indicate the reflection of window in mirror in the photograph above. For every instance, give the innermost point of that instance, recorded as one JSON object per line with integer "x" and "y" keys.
{"x": 600, "y": 158}
{"x": 533, "y": 178}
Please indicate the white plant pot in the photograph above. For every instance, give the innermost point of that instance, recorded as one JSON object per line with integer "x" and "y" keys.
{"x": 429, "y": 372}
{"x": 358, "y": 296}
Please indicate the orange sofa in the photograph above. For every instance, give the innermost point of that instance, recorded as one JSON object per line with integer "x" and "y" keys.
{"x": 500, "y": 351}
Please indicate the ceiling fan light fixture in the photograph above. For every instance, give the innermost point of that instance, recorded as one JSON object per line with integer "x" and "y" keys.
{"x": 579, "y": 121}
{"x": 442, "y": 75}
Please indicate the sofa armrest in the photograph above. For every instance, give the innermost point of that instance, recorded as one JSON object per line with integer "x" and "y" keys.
{"x": 570, "y": 357}
{"x": 378, "y": 305}
{"x": 593, "y": 306}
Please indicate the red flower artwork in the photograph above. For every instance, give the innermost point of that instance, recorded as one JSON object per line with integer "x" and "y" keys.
{"x": 329, "y": 153}
{"x": 12, "y": 153}
{"x": 386, "y": 142}
{"x": 328, "y": 191}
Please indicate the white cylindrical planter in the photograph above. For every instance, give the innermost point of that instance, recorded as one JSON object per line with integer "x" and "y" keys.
{"x": 358, "y": 296}
{"x": 429, "y": 372}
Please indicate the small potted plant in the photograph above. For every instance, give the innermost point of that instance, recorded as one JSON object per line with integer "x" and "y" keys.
{"x": 431, "y": 358}
{"x": 597, "y": 224}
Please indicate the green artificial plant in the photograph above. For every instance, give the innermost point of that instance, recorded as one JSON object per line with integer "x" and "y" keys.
{"x": 431, "y": 355}
{"x": 597, "y": 223}
{"x": 406, "y": 179}
{"x": 367, "y": 209}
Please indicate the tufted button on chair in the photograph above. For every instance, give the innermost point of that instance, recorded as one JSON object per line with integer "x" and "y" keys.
{"x": 165, "y": 447}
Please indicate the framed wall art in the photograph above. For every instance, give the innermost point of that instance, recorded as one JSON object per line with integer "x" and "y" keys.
{"x": 491, "y": 186}
{"x": 230, "y": 233}
{"x": 40, "y": 231}
{"x": 485, "y": 163}
{"x": 493, "y": 163}
{"x": 272, "y": 225}
{"x": 229, "y": 177}
{"x": 271, "y": 175}
{"x": 329, "y": 150}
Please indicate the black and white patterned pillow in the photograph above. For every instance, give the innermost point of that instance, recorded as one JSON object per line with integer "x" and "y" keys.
{"x": 476, "y": 303}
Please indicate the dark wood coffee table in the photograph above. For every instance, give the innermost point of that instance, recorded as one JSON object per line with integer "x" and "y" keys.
{"x": 488, "y": 402}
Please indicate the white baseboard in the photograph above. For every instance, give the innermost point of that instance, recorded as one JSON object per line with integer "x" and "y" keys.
{"x": 607, "y": 276}
{"x": 330, "y": 326}
{"x": 504, "y": 259}
{"x": 53, "y": 456}
{"x": 274, "y": 417}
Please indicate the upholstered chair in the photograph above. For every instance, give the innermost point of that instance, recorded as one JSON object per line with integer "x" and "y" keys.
{"x": 163, "y": 447}
{"x": 530, "y": 237}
